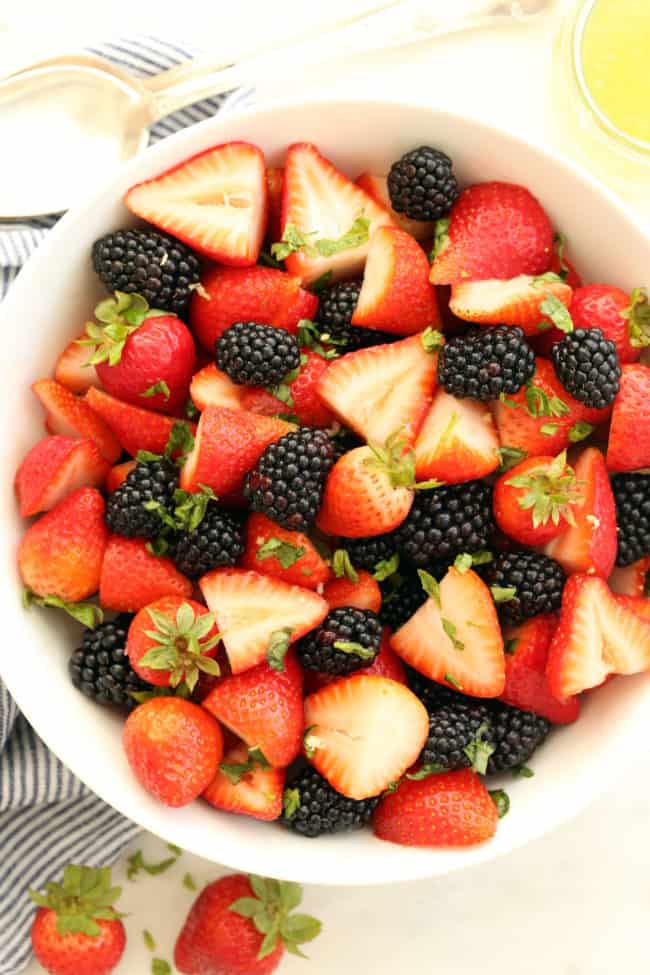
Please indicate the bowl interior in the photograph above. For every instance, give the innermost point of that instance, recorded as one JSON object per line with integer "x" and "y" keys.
{"x": 52, "y": 299}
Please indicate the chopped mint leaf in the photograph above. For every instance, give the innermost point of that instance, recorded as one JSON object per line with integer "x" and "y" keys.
{"x": 450, "y": 630}
{"x": 431, "y": 586}
{"x": 638, "y": 316}
{"x": 342, "y": 566}
{"x": 549, "y": 277}
{"x": 479, "y": 750}
{"x": 431, "y": 768}
{"x": 558, "y": 312}
{"x": 580, "y": 431}
{"x": 432, "y": 339}
{"x": 503, "y": 594}
{"x": 510, "y": 457}
{"x": 290, "y": 802}
{"x": 453, "y": 682}
{"x": 278, "y": 648}
{"x": 176, "y": 850}
{"x": 559, "y": 246}
{"x": 191, "y": 412}
{"x": 180, "y": 442}
{"x": 188, "y": 882}
{"x": 148, "y": 939}
{"x": 386, "y": 568}
{"x": 501, "y": 800}
{"x": 293, "y": 240}
{"x": 310, "y": 744}
{"x": 159, "y": 387}
{"x": 146, "y": 457}
{"x": 358, "y": 234}
{"x": 236, "y": 771}
{"x": 310, "y": 337}
{"x": 321, "y": 283}
{"x": 349, "y": 646}
{"x": 463, "y": 562}
{"x": 266, "y": 259}
{"x": 136, "y": 863}
{"x": 275, "y": 548}
{"x": 522, "y": 772}
{"x": 160, "y": 967}
{"x": 538, "y": 403}
{"x": 549, "y": 429}
{"x": 440, "y": 238}
{"x": 508, "y": 402}
{"x": 510, "y": 646}
{"x": 88, "y": 614}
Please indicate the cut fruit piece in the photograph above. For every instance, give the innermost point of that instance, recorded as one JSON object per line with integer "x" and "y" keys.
{"x": 117, "y": 475}
{"x": 362, "y": 594}
{"x": 514, "y": 302}
{"x": 290, "y": 556}
{"x": 132, "y": 577}
{"x": 250, "y": 608}
{"x": 455, "y": 639}
{"x": 396, "y": 295}
{"x": 212, "y": 387}
{"x": 375, "y": 185}
{"x": 630, "y": 580}
{"x": 275, "y": 184}
{"x": 628, "y": 448}
{"x": 383, "y": 390}
{"x": 54, "y": 467}
{"x": 323, "y": 205}
{"x": 257, "y": 793}
{"x": 135, "y": 428}
{"x": 71, "y": 369}
{"x": 215, "y": 201}
{"x": 364, "y": 733}
{"x": 457, "y": 442}
{"x": 70, "y": 416}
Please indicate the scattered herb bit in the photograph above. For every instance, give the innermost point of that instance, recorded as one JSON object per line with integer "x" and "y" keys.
{"x": 321, "y": 283}
{"x": 290, "y": 802}
{"x": 159, "y": 387}
{"x": 189, "y": 882}
{"x": 200, "y": 290}
{"x": 310, "y": 337}
{"x": 559, "y": 246}
{"x": 237, "y": 770}
{"x": 508, "y": 402}
{"x": 348, "y": 646}
{"x": 88, "y": 614}
{"x": 549, "y": 277}
{"x": 148, "y": 939}
{"x": 511, "y": 645}
{"x": 522, "y": 772}
{"x": 286, "y": 553}
{"x": 550, "y": 492}
{"x": 580, "y": 431}
{"x": 160, "y": 967}
{"x": 538, "y": 403}
{"x": 191, "y": 412}
{"x": 463, "y": 562}
{"x": 431, "y": 586}
{"x": 479, "y": 750}
{"x": 176, "y": 850}
{"x": 431, "y": 768}
{"x": 638, "y": 316}
{"x": 294, "y": 240}
{"x": 136, "y": 863}
{"x": 558, "y": 312}
{"x": 503, "y": 594}
{"x": 432, "y": 339}
{"x": 549, "y": 429}
{"x": 278, "y": 648}
{"x": 454, "y": 683}
{"x": 342, "y": 566}
{"x": 510, "y": 457}
{"x": 440, "y": 238}
{"x": 386, "y": 568}
{"x": 266, "y": 259}
{"x": 180, "y": 442}
{"x": 310, "y": 744}
{"x": 501, "y": 800}
{"x": 450, "y": 630}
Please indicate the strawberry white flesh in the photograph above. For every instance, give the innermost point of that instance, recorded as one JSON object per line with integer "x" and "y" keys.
{"x": 513, "y": 302}
{"x": 458, "y": 441}
{"x": 365, "y": 732}
{"x": 71, "y": 369}
{"x": 211, "y": 387}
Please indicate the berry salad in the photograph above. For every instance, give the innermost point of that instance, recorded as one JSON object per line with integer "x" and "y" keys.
{"x": 348, "y": 484}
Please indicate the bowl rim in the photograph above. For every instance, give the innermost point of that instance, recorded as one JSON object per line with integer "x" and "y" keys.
{"x": 411, "y": 868}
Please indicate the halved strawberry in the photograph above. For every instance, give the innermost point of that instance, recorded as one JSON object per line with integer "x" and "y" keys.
{"x": 286, "y": 555}
{"x": 227, "y": 445}
{"x": 598, "y": 635}
{"x": 244, "y": 787}
{"x": 212, "y": 387}
{"x": 631, "y": 579}
{"x": 375, "y": 185}
{"x": 305, "y": 402}
{"x": 322, "y": 204}
{"x": 364, "y": 593}
{"x": 250, "y": 608}
{"x": 608, "y": 308}
{"x": 275, "y": 184}
{"x": 71, "y": 416}
{"x": 590, "y": 544}
{"x": 118, "y": 474}
{"x": 629, "y": 436}
{"x": 54, "y": 467}
{"x": 216, "y": 202}
{"x": 263, "y": 707}
{"x": 254, "y": 294}
{"x": 454, "y": 638}
{"x": 365, "y": 493}
{"x": 495, "y": 230}
{"x": 71, "y": 368}
{"x": 132, "y": 577}
{"x": 638, "y": 604}
{"x": 514, "y": 302}
{"x": 383, "y": 390}
{"x": 396, "y": 295}
{"x": 538, "y": 499}
{"x": 136, "y": 429}
{"x": 526, "y": 681}
{"x": 458, "y": 441}
{"x": 364, "y": 732}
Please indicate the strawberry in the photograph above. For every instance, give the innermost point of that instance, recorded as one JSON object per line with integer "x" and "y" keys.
{"x": 522, "y": 301}
{"x": 290, "y": 556}
{"x": 54, "y": 467}
{"x": 386, "y": 664}
{"x": 141, "y": 358}
{"x": 304, "y": 399}
{"x": 537, "y": 499}
{"x": 76, "y": 929}
{"x": 222, "y": 933}
{"x": 457, "y": 442}
{"x": 608, "y": 308}
{"x": 215, "y": 201}
{"x": 254, "y": 294}
{"x": 526, "y": 682}
{"x": 118, "y": 474}
{"x": 61, "y": 553}
{"x": 396, "y": 295}
{"x": 173, "y": 747}
{"x": 212, "y": 387}
{"x": 71, "y": 416}
{"x": 589, "y": 545}
{"x": 630, "y": 580}
{"x": 637, "y": 604}
{"x": 363, "y": 733}
{"x": 171, "y": 641}
{"x": 275, "y": 184}
{"x": 251, "y": 609}
{"x": 132, "y": 577}
{"x": 382, "y": 390}
{"x": 228, "y": 444}
{"x": 375, "y": 186}
{"x": 363, "y": 593}
{"x": 495, "y": 230}
{"x": 327, "y": 221}
{"x": 263, "y": 707}
{"x": 72, "y": 369}
{"x": 454, "y": 637}
{"x": 629, "y": 436}
{"x": 135, "y": 428}
{"x": 542, "y": 419}
{"x": 598, "y": 635}
{"x": 440, "y": 810}
{"x": 368, "y": 492}
{"x": 242, "y": 786}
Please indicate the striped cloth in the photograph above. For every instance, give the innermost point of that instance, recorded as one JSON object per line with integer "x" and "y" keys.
{"x": 47, "y": 816}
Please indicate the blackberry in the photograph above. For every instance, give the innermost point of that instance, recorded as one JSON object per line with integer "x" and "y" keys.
{"x": 366, "y": 553}
{"x": 155, "y": 266}
{"x": 344, "y": 441}
{"x": 453, "y": 728}
{"x": 537, "y": 579}
{"x": 422, "y": 184}
{"x": 485, "y": 363}
{"x": 287, "y": 482}
{"x": 632, "y": 497}
{"x": 516, "y": 735}
{"x": 447, "y": 521}
{"x": 330, "y": 648}
{"x": 588, "y": 367}
{"x": 313, "y": 808}
{"x": 257, "y": 355}
{"x": 401, "y": 601}
{"x": 100, "y": 668}
{"x": 125, "y": 508}
{"x": 336, "y": 306}
{"x": 432, "y": 694}
{"x": 217, "y": 541}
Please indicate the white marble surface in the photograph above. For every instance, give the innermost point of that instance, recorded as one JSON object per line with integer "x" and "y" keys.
{"x": 573, "y": 903}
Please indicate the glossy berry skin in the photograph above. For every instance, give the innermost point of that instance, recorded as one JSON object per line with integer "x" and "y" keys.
{"x": 537, "y": 579}
{"x": 136, "y": 427}
{"x": 132, "y": 577}
{"x": 72, "y": 416}
{"x": 422, "y": 184}
{"x": 216, "y": 941}
{"x": 345, "y": 624}
{"x": 517, "y": 735}
{"x": 446, "y": 521}
{"x": 631, "y": 412}
{"x": 601, "y": 306}
{"x": 336, "y": 307}
{"x": 126, "y": 513}
{"x": 53, "y": 468}
{"x": 216, "y": 541}
{"x": 588, "y": 367}
{"x": 100, "y": 668}
{"x": 483, "y": 364}
{"x": 632, "y": 498}
{"x": 323, "y": 810}
{"x": 362, "y": 594}
{"x": 76, "y": 953}
{"x": 256, "y": 355}
{"x": 173, "y": 747}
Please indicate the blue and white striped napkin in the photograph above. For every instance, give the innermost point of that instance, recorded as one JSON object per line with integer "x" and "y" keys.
{"x": 47, "y": 816}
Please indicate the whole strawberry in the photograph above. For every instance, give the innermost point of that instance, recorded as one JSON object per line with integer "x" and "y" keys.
{"x": 141, "y": 356}
{"x": 241, "y": 926}
{"x": 76, "y": 930}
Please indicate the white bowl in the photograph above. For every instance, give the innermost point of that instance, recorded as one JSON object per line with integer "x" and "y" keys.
{"x": 56, "y": 293}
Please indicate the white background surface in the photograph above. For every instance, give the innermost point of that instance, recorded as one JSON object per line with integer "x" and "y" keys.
{"x": 574, "y": 903}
